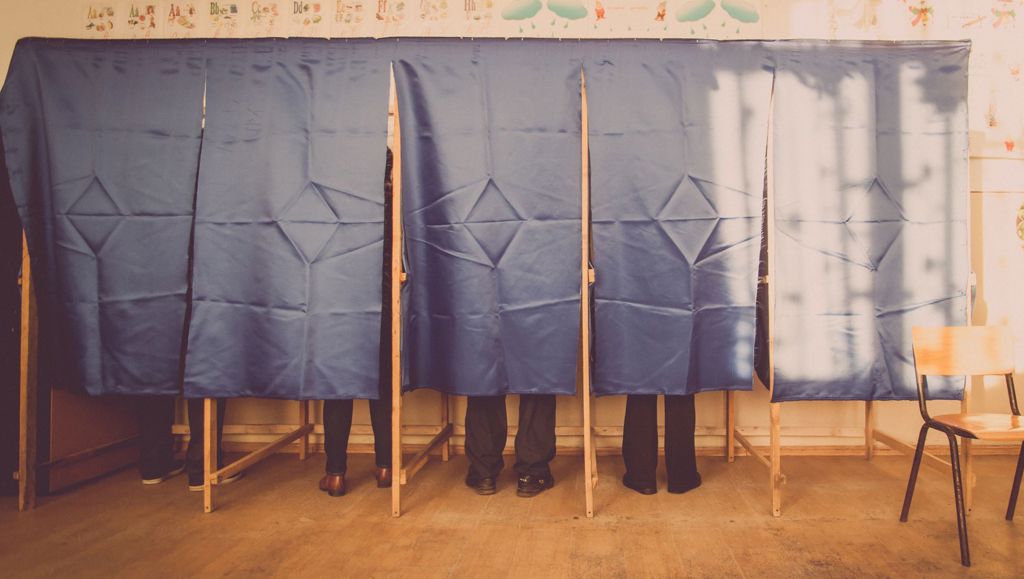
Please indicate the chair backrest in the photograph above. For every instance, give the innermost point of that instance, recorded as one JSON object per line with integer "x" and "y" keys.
{"x": 963, "y": 351}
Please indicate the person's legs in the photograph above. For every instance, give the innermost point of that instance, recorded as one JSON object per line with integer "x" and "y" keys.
{"x": 337, "y": 427}
{"x": 155, "y": 416}
{"x": 680, "y": 449}
{"x": 640, "y": 443}
{"x": 535, "y": 439}
{"x": 486, "y": 431}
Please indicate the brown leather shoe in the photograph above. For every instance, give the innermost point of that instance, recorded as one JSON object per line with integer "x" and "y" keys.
{"x": 333, "y": 484}
{"x": 383, "y": 477}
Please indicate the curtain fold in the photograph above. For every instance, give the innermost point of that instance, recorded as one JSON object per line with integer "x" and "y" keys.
{"x": 101, "y": 140}
{"x": 289, "y": 231}
{"x": 870, "y": 189}
{"x": 678, "y": 135}
{"x": 491, "y": 151}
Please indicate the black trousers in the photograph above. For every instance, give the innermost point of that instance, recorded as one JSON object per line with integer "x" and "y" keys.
{"x": 487, "y": 431}
{"x": 155, "y": 416}
{"x": 338, "y": 425}
{"x": 640, "y": 439}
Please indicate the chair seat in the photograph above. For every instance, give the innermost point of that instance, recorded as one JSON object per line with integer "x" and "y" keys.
{"x": 986, "y": 426}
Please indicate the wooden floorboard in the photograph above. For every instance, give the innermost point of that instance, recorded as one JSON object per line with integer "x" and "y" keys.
{"x": 839, "y": 520}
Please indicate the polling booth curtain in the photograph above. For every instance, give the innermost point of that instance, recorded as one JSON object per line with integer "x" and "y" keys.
{"x": 101, "y": 142}
{"x": 290, "y": 221}
{"x": 870, "y": 190}
{"x": 678, "y": 134}
{"x": 491, "y": 155}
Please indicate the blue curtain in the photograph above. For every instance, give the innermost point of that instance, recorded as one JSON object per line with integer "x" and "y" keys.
{"x": 678, "y": 134}
{"x": 870, "y": 189}
{"x": 491, "y": 192}
{"x": 102, "y": 141}
{"x": 290, "y": 221}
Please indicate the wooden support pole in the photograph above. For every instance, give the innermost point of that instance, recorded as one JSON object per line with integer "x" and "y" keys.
{"x": 730, "y": 426}
{"x": 776, "y": 460}
{"x": 28, "y": 386}
{"x": 304, "y": 421}
{"x": 209, "y": 451}
{"x": 397, "y": 276}
{"x": 589, "y": 451}
{"x": 446, "y": 420}
{"x": 869, "y": 429}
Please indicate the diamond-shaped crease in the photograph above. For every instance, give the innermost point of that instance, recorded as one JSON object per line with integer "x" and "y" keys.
{"x": 494, "y": 237}
{"x": 309, "y": 206}
{"x": 95, "y": 229}
{"x": 728, "y": 202}
{"x": 875, "y": 204}
{"x": 687, "y": 202}
{"x": 95, "y": 199}
{"x": 309, "y": 238}
{"x": 492, "y": 206}
{"x": 688, "y": 237}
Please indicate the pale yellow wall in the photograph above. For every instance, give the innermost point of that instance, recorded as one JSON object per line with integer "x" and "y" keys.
{"x": 997, "y": 257}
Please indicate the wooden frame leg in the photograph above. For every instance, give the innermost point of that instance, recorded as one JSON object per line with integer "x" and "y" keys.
{"x": 776, "y": 460}
{"x": 28, "y": 387}
{"x": 958, "y": 494}
{"x": 209, "y": 451}
{"x": 446, "y": 408}
{"x": 304, "y": 420}
{"x": 869, "y": 430}
{"x": 967, "y": 457}
{"x": 914, "y": 469}
{"x": 730, "y": 426}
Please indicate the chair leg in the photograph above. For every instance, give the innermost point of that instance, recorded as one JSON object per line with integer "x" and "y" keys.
{"x": 1016, "y": 486}
{"x": 913, "y": 473}
{"x": 958, "y": 493}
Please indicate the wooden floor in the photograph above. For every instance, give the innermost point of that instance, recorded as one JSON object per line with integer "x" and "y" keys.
{"x": 840, "y": 520}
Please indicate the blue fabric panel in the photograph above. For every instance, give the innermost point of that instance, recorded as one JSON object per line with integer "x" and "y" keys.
{"x": 290, "y": 221}
{"x": 491, "y": 201}
{"x": 678, "y": 134}
{"x": 102, "y": 142}
{"x": 870, "y": 189}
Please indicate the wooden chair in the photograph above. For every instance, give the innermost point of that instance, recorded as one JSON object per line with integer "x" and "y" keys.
{"x": 965, "y": 351}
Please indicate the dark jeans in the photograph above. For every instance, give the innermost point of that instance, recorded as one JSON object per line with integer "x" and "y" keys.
{"x": 487, "y": 431}
{"x": 194, "y": 455}
{"x": 156, "y": 417}
{"x": 338, "y": 425}
{"x": 640, "y": 440}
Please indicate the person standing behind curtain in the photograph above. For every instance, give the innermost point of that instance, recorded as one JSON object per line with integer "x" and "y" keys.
{"x": 640, "y": 443}
{"x": 338, "y": 413}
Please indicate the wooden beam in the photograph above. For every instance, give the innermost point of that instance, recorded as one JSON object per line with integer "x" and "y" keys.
{"x": 928, "y": 458}
{"x": 752, "y": 451}
{"x": 589, "y": 452}
{"x": 420, "y": 458}
{"x": 28, "y": 386}
{"x": 88, "y": 453}
{"x": 304, "y": 421}
{"x": 730, "y": 426}
{"x": 776, "y": 460}
{"x": 358, "y": 429}
{"x": 397, "y": 277}
{"x": 209, "y": 451}
{"x": 260, "y": 454}
{"x": 869, "y": 429}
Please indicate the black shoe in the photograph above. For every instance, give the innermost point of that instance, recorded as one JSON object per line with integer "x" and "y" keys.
{"x": 682, "y": 488}
{"x": 482, "y": 486}
{"x": 195, "y": 479}
{"x": 531, "y": 486}
{"x": 172, "y": 469}
{"x": 644, "y": 490}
